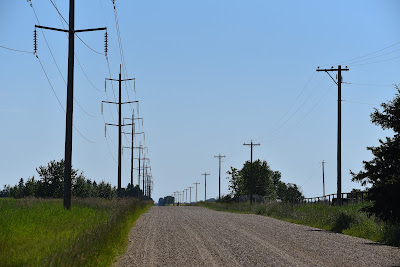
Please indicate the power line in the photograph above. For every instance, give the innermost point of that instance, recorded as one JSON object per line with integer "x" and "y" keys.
{"x": 367, "y": 84}
{"x": 379, "y": 61}
{"x": 75, "y": 32}
{"x": 278, "y": 125}
{"x": 16, "y": 50}
{"x": 55, "y": 62}
{"x": 59, "y": 102}
{"x": 353, "y": 59}
{"x": 122, "y": 51}
{"x": 352, "y": 63}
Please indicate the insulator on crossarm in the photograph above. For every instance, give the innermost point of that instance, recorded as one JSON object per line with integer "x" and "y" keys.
{"x": 105, "y": 86}
{"x": 105, "y": 43}
{"x": 35, "y": 41}
{"x": 105, "y": 130}
{"x": 101, "y": 108}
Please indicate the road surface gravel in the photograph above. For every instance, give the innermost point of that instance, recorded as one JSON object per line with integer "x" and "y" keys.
{"x": 196, "y": 236}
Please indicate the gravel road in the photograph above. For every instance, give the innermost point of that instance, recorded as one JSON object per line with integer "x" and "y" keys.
{"x": 195, "y": 236}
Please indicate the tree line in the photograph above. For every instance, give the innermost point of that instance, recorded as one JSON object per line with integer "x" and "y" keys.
{"x": 51, "y": 185}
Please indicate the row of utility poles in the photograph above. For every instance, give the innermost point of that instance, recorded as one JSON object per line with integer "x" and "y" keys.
{"x": 69, "y": 112}
{"x": 338, "y": 82}
{"x": 179, "y": 198}
{"x": 146, "y": 177}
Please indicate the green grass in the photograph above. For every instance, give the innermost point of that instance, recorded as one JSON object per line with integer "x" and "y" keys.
{"x": 347, "y": 219}
{"x": 37, "y": 232}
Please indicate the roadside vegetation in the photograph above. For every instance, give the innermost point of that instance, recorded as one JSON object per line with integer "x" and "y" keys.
{"x": 347, "y": 219}
{"x": 40, "y": 232}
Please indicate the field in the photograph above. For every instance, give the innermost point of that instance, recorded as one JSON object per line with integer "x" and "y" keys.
{"x": 346, "y": 219}
{"x": 41, "y": 232}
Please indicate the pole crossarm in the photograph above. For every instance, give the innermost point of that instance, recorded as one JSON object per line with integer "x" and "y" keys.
{"x": 129, "y": 102}
{"x": 51, "y": 28}
{"x": 118, "y": 124}
{"x": 117, "y": 80}
{"x": 75, "y": 31}
{"x": 133, "y": 133}
{"x": 93, "y": 29}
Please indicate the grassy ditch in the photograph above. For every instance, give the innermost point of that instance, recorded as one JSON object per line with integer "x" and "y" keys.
{"x": 41, "y": 232}
{"x": 345, "y": 219}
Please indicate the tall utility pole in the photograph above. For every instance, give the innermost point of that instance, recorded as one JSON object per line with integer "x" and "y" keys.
{"x": 219, "y": 176}
{"x": 196, "y": 190}
{"x": 143, "y": 180}
{"x": 119, "y": 103}
{"x": 190, "y": 197}
{"x": 323, "y": 177}
{"x": 176, "y": 200}
{"x": 251, "y": 169}
{"x": 339, "y": 134}
{"x": 70, "y": 98}
{"x": 186, "y": 194}
{"x": 132, "y": 146}
{"x": 205, "y": 185}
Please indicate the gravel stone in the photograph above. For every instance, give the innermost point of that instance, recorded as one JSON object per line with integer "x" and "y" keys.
{"x": 196, "y": 236}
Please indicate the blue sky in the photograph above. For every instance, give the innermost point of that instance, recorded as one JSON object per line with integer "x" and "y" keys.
{"x": 210, "y": 75}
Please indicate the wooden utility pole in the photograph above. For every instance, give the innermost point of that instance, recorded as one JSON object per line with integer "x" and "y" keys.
{"x": 196, "y": 190}
{"x": 251, "y": 169}
{"x": 219, "y": 175}
{"x": 190, "y": 196}
{"x": 339, "y": 129}
{"x": 205, "y": 185}
{"x": 323, "y": 177}
{"x": 70, "y": 99}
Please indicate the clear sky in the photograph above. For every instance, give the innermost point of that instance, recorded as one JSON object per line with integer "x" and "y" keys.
{"x": 210, "y": 75}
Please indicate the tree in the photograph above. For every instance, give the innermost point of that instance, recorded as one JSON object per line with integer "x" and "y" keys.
{"x": 267, "y": 183}
{"x": 383, "y": 171}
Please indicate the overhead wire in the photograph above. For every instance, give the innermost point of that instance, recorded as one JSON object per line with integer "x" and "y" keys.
{"x": 379, "y": 61}
{"x": 59, "y": 102}
{"x": 55, "y": 62}
{"x": 16, "y": 50}
{"x": 279, "y": 125}
{"x": 59, "y": 13}
{"x": 122, "y": 53}
{"x": 366, "y": 55}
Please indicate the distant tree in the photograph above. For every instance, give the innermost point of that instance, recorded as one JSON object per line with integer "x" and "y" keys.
{"x": 383, "y": 171}
{"x": 105, "y": 190}
{"x": 30, "y": 187}
{"x": 81, "y": 187}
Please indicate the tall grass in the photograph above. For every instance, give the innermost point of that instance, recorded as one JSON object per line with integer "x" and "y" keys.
{"x": 41, "y": 232}
{"x": 347, "y": 219}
